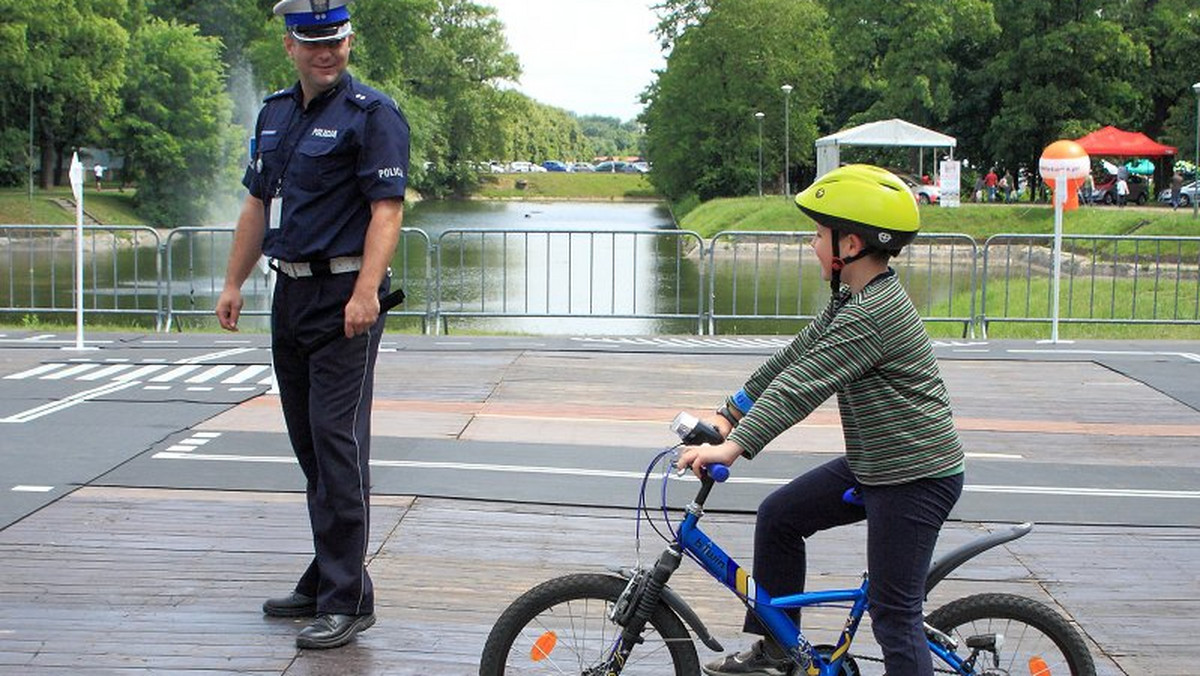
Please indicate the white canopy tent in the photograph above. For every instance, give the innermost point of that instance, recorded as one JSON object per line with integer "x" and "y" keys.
{"x": 894, "y": 132}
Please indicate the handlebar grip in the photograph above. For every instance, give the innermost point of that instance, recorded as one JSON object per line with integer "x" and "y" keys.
{"x": 717, "y": 471}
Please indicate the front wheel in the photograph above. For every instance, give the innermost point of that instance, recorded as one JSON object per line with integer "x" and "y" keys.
{"x": 1007, "y": 634}
{"x": 562, "y": 626}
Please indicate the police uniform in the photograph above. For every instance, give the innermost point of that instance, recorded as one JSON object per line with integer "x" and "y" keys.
{"x": 317, "y": 170}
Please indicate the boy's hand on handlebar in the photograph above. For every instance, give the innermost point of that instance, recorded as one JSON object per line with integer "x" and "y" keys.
{"x": 697, "y": 457}
{"x": 720, "y": 423}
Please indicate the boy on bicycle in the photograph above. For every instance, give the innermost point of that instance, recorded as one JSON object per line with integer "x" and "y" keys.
{"x": 870, "y": 348}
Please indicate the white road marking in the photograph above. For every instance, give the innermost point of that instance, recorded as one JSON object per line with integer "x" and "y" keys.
{"x": 246, "y": 374}
{"x": 143, "y": 371}
{"x": 105, "y": 372}
{"x": 32, "y": 489}
{"x": 70, "y": 371}
{"x": 67, "y": 402}
{"x": 37, "y": 370}
{"x": 216, "y": 355}
{"x": 618, "y": 474}
{"x": 211, "y": 373}
{"x": 175, "y": 373}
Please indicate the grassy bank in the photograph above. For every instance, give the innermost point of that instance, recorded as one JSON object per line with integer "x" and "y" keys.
{"x": 977, "y": 220}
{"x": 567, "y": 186}
{"x": 109, "y": 207}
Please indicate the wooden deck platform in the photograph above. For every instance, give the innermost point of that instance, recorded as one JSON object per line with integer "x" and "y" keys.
{"x": 124, "y": 581}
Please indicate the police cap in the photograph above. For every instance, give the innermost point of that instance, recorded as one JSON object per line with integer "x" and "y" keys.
{"x": 316, "y": 20}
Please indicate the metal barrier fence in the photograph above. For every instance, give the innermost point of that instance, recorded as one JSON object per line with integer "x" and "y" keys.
{"x": 195, "y": 260}
{"x": 612, "y": 274}
{"x": 746, "y": 277}
{"x": 775, "y": 276}
{"x": 1104, "y": 279}
{"x": 122, "y": 270}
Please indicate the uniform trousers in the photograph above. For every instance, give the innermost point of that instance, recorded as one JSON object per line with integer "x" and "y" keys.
{"x": 903, "y": 522}
{"x": 326, "y": 399}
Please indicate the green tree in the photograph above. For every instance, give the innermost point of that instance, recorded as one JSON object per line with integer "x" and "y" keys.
{"x": 610, "y": 137}
{"x": 701, "y": 132}
{"x": 1059, "y": 70}
{"x": 175, "y": 128}
{"x": 70, "y": 53}
{"x": 900, "y": 59}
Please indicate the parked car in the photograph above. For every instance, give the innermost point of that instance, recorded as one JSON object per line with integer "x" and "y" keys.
{"x": 923, "y": 192}
{"x": 1106, "y": 192}
{"x": 555, "y": 165}
{"x": 611, "y": 167}
{"x": 520, "y": 167}
{"x": 583, "y": 166}
{"x": 1187, "y": 194}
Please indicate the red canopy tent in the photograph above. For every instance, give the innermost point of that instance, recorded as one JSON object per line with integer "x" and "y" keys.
{"x": 1118, "y": 143}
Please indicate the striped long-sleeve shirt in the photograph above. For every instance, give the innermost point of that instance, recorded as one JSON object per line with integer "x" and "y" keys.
{"x": 874, "y": 354}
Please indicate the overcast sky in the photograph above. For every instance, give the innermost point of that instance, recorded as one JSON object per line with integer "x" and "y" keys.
{"x": 591, "y": 57}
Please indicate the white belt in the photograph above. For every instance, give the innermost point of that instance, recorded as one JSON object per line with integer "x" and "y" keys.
{"x": 333, "y": 266}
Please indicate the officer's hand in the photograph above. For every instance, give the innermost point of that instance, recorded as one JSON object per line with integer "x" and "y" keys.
{"x": 229, "y": 308}
{"x": 698, "y": 457}
{"x": 361, "y": 313}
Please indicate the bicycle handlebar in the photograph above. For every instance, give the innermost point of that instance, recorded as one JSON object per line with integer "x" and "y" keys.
{"x": 717, "y": 472}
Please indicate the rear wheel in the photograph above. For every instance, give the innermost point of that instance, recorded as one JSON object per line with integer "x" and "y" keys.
{"x": 562, "y": 626}
{"x": 1010, "y": 634}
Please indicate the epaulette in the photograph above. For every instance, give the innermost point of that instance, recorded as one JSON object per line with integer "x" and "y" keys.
{"x": 367, "y": 99}
{"x": 287, "y": 91}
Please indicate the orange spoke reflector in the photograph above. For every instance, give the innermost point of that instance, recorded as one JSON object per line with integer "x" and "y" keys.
{"x": 1038, "y": 666}
{"x": 545, "y": 645}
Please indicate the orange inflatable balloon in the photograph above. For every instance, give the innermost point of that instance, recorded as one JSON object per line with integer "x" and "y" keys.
{"x": 1069, "y": 160}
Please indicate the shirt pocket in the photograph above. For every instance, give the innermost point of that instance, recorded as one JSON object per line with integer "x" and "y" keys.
{"x": 318, "y": 163}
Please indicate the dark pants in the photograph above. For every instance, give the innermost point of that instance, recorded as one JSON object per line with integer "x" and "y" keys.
{"x": 902, "y": 528}
{"x": 326, "y": 400}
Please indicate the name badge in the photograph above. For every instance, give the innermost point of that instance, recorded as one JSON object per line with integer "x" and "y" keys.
{"x": 276, "y": 212}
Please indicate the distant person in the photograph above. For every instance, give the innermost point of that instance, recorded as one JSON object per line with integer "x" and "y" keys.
{"x": 990, "y": 181}
{"x": 1176, "y": 189}
{"x": 98, "y": 172}
{"x": 1122, "y": 190}
{"x": 1007, "y": 187}
{"x": 1089, "y": 189}
{"x": 326, "y": 199}
{"x": 977, "y": 194}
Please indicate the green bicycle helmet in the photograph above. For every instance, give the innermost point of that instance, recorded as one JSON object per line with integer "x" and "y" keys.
{"x": 870, "y": 202}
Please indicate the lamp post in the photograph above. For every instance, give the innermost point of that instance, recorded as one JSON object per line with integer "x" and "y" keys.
{"x": 787, "y": 139}
{"x": 1196, "y": 171}
{"x": 759, "y": 116}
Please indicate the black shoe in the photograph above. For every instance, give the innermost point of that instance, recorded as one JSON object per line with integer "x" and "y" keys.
{"x": 292, "y": 605}
{"x": 753, "y": 662}
{"x": 332, "y": 631}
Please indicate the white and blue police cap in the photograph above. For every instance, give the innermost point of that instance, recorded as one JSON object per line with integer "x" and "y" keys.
{"x": 316, "y": 20}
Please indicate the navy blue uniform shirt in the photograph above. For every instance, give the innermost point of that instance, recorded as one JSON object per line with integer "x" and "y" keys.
{"x": 325, "y": 165}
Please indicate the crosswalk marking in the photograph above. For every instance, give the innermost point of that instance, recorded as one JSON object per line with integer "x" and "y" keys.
{"x": 105, "y": 372}
{"x": 211, "y": 373}
{"x": 246, "y": 374}
{"x": 175, "y": 373}
{"x": 251, "y": 375}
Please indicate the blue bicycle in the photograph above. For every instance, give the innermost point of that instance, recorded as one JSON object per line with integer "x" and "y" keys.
{"x": 633, "y": 623}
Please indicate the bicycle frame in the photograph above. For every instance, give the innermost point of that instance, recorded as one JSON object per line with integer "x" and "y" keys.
{"x": 772, "y": 611}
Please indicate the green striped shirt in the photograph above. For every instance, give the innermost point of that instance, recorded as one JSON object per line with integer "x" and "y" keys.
{"x": 874, "y": 353}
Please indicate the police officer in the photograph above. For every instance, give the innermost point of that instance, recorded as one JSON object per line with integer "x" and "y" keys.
{"x": 329, "y": 166}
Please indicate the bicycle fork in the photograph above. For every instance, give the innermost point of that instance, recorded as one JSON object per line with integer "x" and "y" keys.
{"x": 637, "y": 603}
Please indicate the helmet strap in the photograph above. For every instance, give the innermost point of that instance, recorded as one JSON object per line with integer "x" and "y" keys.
{"x": 838, "y": 262}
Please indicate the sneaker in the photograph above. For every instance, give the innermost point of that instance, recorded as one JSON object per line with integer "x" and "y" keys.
{"x": 752, "y": 662}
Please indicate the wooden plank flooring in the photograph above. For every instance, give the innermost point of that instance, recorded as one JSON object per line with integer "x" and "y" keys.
{"x": 123, "y": 581}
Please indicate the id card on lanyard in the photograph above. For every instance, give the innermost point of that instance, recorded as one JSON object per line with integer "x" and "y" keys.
{"x": 275, "y": 210}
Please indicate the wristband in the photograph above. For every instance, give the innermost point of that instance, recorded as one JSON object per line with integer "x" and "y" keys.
{"x": 742, "y": 401}
{"x": 724, "y": 413}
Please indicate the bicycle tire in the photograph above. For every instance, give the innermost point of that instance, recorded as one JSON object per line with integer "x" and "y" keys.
{"x": 577, "y": 607}
{"x": 1033, "y": 632}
